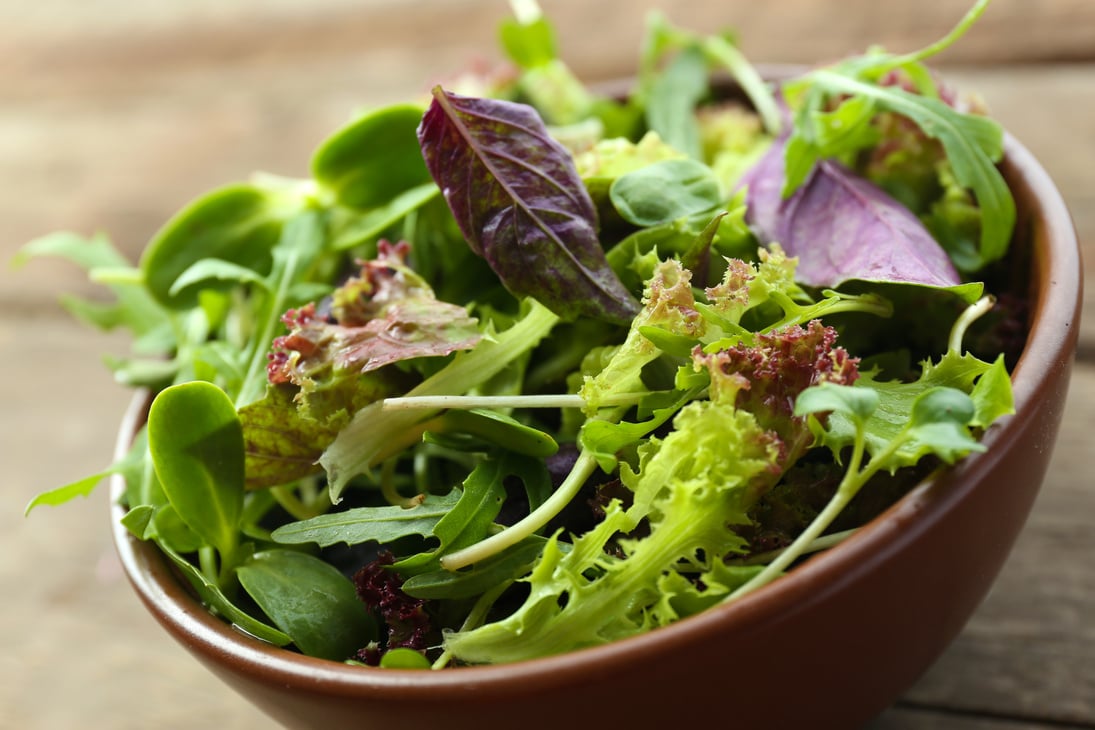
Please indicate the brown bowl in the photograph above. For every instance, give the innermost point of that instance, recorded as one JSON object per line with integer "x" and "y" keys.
{"x": 831, "y": 644}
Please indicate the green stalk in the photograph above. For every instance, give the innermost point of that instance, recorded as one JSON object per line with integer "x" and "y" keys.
{"x": 536, "y": 519}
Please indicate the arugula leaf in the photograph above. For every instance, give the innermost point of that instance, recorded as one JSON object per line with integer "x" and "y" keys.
{"x": 518, "y": 199}
{"x": 672, "y": 99}
{"x": 895, "y": 408}
{"x": 369, "y": 524}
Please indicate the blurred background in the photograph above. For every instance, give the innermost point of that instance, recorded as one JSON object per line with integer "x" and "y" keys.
{"x": 115, "y": 113}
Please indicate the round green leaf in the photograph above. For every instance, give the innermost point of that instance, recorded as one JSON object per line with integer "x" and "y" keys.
{"x": 310, "y": 600}
{"x": 238, "y": 224}
{"x": 665, "y": 191}
{"x": 373, "y": 159}
{"x": 403, "y": 658}
{"x": 196, "y": 444}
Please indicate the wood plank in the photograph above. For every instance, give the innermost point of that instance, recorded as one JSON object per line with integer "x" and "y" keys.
{"x": 1029, "y": 651}
{"x": 112, "y": 33}
{"x": 906, "y": 717}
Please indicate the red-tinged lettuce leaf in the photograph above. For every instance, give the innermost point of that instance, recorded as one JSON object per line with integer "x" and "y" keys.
{"x": 842, "y": 227}
{"x": 521, "y": 205}
{"x": 329, "y": 366}
{"x": 386, "y": 315}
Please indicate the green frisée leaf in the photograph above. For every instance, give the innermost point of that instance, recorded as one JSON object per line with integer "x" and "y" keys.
{"x": 309, "y": 600}
{"x": 197, "y": 448}
{"x": 692, "y": 487}
{"x": 520, "y": 204}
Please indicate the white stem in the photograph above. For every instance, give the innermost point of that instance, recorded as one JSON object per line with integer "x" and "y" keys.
{"x": 972, "y": 313}
{"x": 536, "y": 519}
{"x": 435, "y": 402}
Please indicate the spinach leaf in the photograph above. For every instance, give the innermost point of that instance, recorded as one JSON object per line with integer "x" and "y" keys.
{"x": 521, "y": 205}
{"x": 373, "y": 159}
{"x": 197, "y": 448}
{"x": 310, "y": 600}
{"x": 239, "y": 223}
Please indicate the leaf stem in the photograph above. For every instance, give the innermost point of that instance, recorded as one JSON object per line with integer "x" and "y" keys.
{"x": 289, "y": 502}
{"x": 971, "y": 314}
{"x": 849, "y": 486}
{"x": 475, "y": 618}
{"x": 722, "y": 51}
{"x": 466, "y": 402}
{"x": 822, "y": 543}
{"x": 943, "y": 43}
{"x": 525, "y": 527}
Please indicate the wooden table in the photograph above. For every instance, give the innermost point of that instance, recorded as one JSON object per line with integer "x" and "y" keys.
{"x": 115, "y": 113}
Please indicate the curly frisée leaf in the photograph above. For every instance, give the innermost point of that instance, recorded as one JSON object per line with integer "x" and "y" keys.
{"x": 521, "y": 205}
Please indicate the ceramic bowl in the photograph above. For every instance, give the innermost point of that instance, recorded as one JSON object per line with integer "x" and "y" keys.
{"x": 831, "y": 644}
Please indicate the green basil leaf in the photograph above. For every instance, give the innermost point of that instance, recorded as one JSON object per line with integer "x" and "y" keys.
{"x": 310, "y": 600}
{"x": 665, "y": 191}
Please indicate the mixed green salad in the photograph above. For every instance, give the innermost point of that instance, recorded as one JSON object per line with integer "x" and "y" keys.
{"x": 524, "y": 367}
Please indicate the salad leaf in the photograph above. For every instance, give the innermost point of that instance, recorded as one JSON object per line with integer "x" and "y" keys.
{"x": 197, "y": 447}
{"x": 841, "y": 227}
{"x": 664, "y": 191}
{"x": 369, "y": 524}
{"x": 374, "y": 434}
{"x": 372, "y": 160}
{"x": 519, "y": 202}
{"x": 963, "y": 373}
{"x": 585, "y": 597}
{"x": 310, "y": 600}
{"x": 386, "y": 314}
{"x": 238, "y": 223}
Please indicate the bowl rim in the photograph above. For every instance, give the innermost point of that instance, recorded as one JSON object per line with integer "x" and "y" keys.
{"x": 1050, "y": 346}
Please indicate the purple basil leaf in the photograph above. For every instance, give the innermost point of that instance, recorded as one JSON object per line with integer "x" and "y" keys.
{"x": 521, "y": 205}
{"x": 842, "y": 227}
